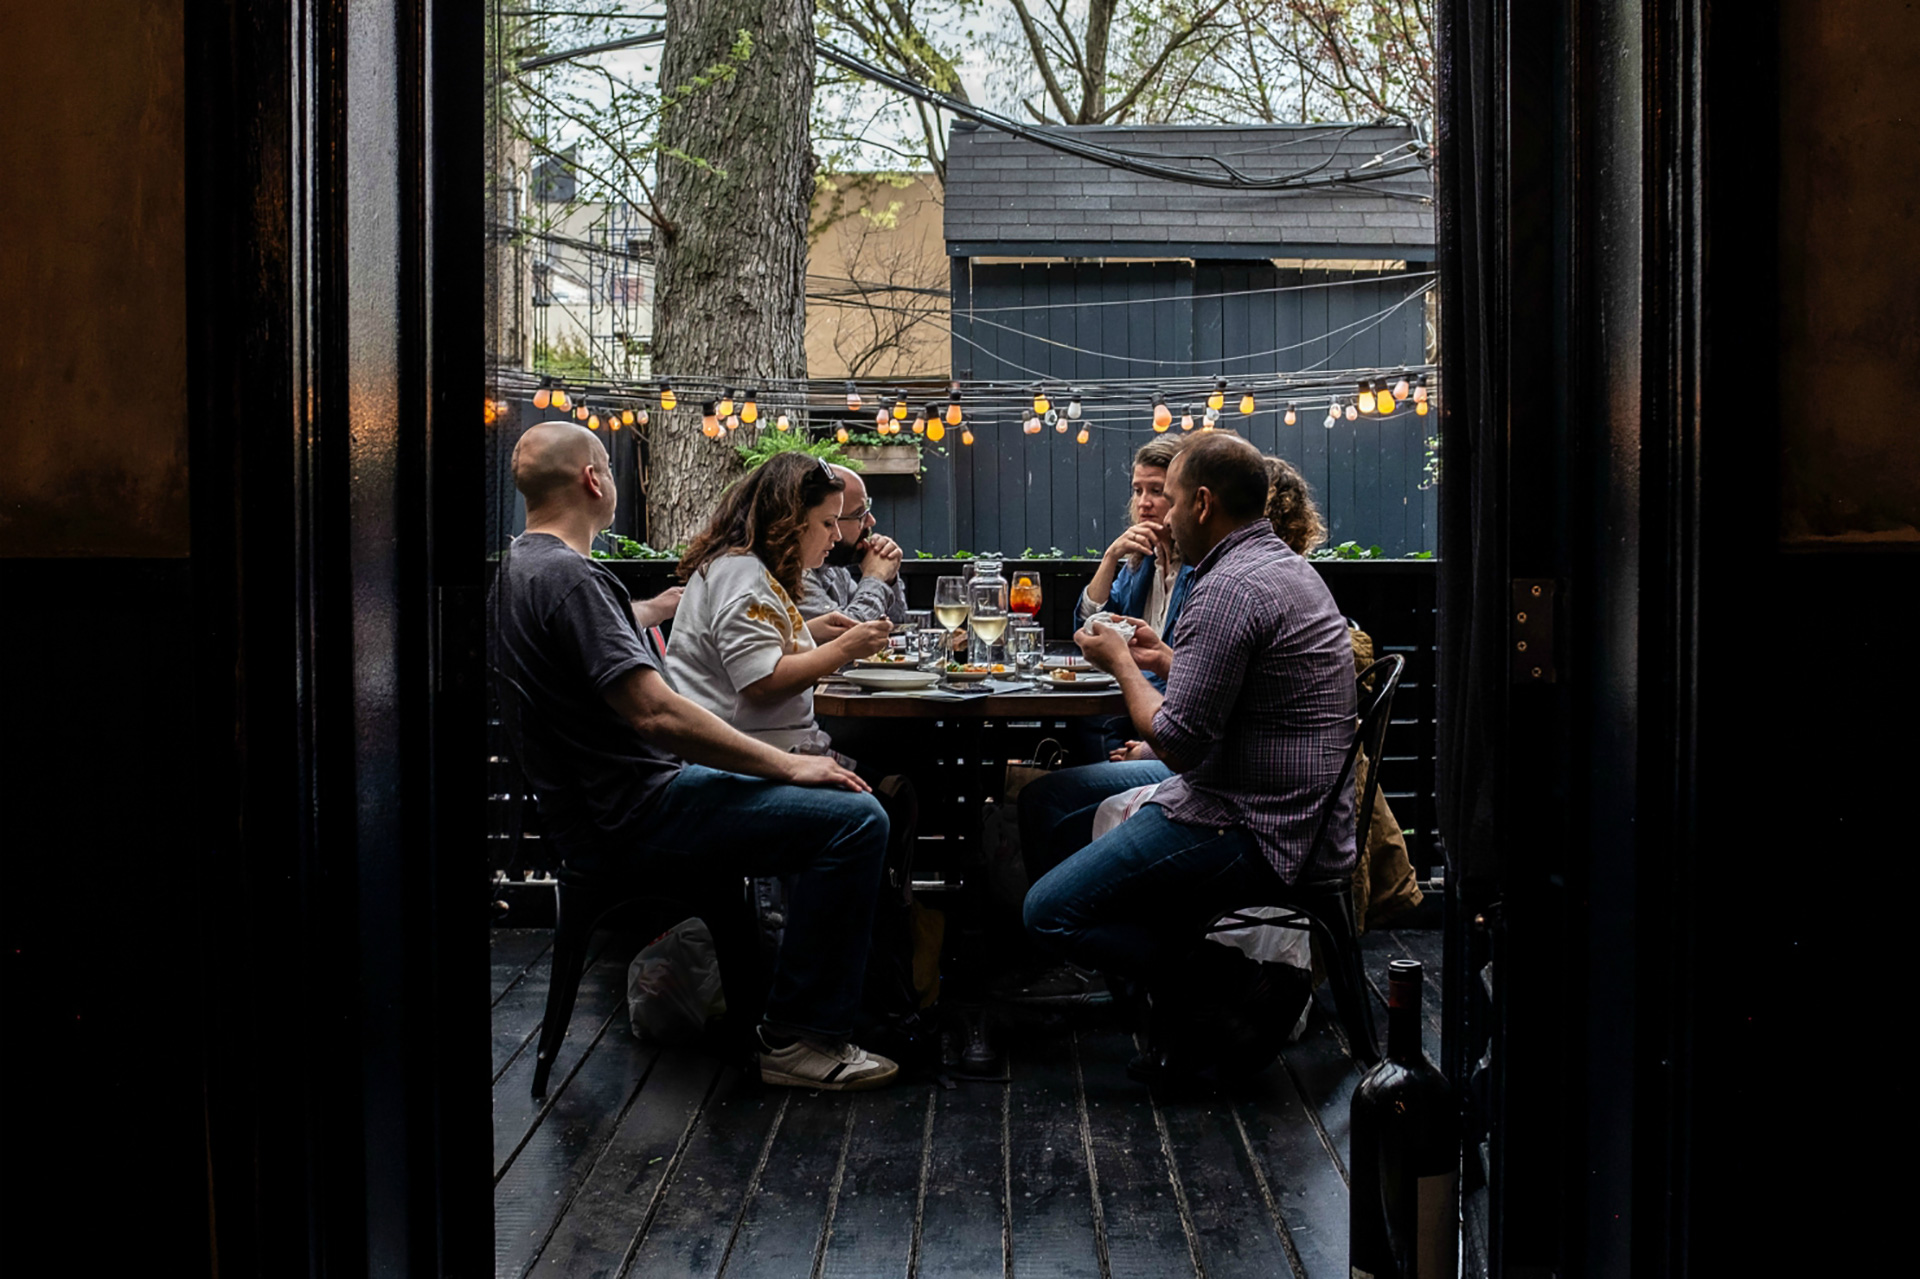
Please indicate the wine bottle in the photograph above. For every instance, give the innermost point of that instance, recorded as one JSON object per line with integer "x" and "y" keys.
{"x": 1405, "y": 1162}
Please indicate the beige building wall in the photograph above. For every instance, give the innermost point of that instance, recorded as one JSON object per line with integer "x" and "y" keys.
{"x": 877, "y": 279}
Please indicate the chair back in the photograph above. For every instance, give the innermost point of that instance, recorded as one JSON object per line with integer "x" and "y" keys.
{"x": 1376, "y": 710}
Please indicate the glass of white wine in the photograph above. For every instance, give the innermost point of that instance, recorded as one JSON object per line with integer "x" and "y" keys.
{"x": 989, "y": 620}
{"x": 950, "y": 609}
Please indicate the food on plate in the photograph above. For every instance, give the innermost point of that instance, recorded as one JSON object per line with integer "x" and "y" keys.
{"x": 978, "y": 667}
{"x": 1065, "y": 677}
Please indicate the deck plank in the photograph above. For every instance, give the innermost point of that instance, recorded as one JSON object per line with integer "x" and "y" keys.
{"x": 1236, "y": 1230}
{"x": 872, "y": 1231}
{"x": 787, "y": 1221}
{"x": 963, "y": 1213}
{"x": 601, "y": 1007}
{"x": 1145, "y": 1237}
{"x": 511, "y": 952}
{"x": 1050, "y": 1202}
{"x": 1308, "y": 1190}
{"x": 539, "y": 1185}
{"x": 714, "y": 1182}
{"x": 518, "y": 1012}
{"x": 1325, "y": 1076}
{"x": 605, "y": 1221}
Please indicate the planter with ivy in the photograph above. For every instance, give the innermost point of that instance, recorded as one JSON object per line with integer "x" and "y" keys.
{"x": 883, "y": 454}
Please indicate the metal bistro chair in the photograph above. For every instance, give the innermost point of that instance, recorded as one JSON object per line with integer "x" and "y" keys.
{"x": 1325, "y": 904}
{"x": 582, "y": 901}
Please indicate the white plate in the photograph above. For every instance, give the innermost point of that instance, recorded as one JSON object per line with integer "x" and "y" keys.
{"x": 894, "y": 679}
{"x": 1081, "y": 681}
{"x": 875, "y": 663}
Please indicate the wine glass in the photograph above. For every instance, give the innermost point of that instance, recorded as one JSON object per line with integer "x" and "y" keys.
{"x": 950, "y": 608}
{"x": 1024, "y": 598}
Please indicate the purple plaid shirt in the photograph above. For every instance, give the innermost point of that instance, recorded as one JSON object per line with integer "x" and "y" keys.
{"x": 1260, "y": 707}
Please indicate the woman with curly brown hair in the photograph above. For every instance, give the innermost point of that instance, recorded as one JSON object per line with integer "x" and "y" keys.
{"x": 1296, "y": 520}
{"x": 740, "y": 647}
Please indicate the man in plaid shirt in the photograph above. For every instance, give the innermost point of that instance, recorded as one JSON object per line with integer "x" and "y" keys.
{"x": 1257, "y": 718}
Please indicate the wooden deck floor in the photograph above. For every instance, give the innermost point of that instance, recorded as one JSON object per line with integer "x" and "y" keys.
{"x": 653, "y": 1163}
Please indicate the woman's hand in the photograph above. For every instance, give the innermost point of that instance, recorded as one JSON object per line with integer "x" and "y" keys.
{"x": 652, "y": 612}
{"x": 864, "y": 639}
{"x": 829, "y": 626}
{"x": 1131, "y": 751}
{"x": 1144, "y": 538}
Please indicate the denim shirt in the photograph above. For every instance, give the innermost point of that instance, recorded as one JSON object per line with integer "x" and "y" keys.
{"x": 1132, "y": 587}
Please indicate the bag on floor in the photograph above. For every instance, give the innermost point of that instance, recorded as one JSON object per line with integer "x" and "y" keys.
{"x": 673, "y": 985}
{"x": 1004, "y": 866}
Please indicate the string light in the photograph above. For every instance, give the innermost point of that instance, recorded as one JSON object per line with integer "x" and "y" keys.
{"x": 1291, "y": 417}
{"x": 560, "y": 400}
{"x": 1031, "y": 426}
{"x": 725, "y": 407}
{"x": 491, "y": 413}
{"x": 1218, "y": 400}
{"x": 920, "y": 419}
{"x": 709, "y": 427}
{"x": 1333, "y": 415}
{"x": 953, "y": 406}
{"x": 1041, "y": 404}
{"x": 1420, "y": 389}
{"x": 936, "y": 429}
{"x": 966, "y": 437}
{"x": 853, "y": 397}
{"x": 1420, "y": 407}
{"x": 1161, "y": 415}
{"x": 641, "y": 415}
{"x": 1073, "y": 404}
{"x": 1400, "y": 388}
{"x": 1364, "y": 400}
{"x": 841, "y": 435}
{"x": 1213, "y": 415}
{"x": 783, "y": 423}
{"x": 543, "y": 396}
{"x": 1186, "y": 420}
{"x": 626, "y": 417}
{"x": 668, "y": 400}
{"x": 1246, "y": 404}
{"x": 1383, "y": 402}
{"x": 1083, "y": 437}
{"x": 899, "y": 407}
{"x": 1353, "y": 413}
{"x": 593, "y": 422}
{"x": 882, "y": 424}
{"x": 750, "y": 411}
{"x": 581, "y": 413}
{"x": 733, "y": 421}
{"x": 1054, "y": 420}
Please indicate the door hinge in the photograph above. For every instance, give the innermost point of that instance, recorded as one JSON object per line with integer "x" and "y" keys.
{"x": 1530, "y": 631}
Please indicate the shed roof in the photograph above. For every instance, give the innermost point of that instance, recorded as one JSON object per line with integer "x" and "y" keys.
{"x": 1008, "y": 196}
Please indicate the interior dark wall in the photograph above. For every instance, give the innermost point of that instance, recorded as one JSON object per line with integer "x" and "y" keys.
{"x": 1848, "y": 259}
{"x": 93, "y": 460}
{"x": 100, "y": 1101}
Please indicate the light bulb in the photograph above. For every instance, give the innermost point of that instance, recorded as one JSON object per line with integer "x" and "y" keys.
{"x": 1364, "y": 400}
{"x": 1332, "y": 417}
{"x": 1246, "y": 403}
{"x": 1420, "y": 407}
{"x": 491, "y": 413}
{"x": 581, "y": 413}
{"x": 707, "y": 421}
{"x": 936, "y": 430}
{"x": 1073, "y": 407}
{"x": 966, "y": 437}
{"x": 733, "y": 421}
{"x": 1186, "y": 421}
{"x": 1218, "y": 400}
{"x": 1161, "y": 414}
{"x": 783, "y": 423}
{"x": 626, "y": 416}
{"x": 725, "y": 407}
{"x": 853, "y": 398}
{"x": 1420, "y": 389}
{"x": 841, "y": 435}
{"x": 1400, "y": 388}
{"x": 880, "y": 422}
{"x": 1041, "y": 404}
{"x": 953, "y": 409}
{"x": 1353, "y": 413}
{"x": 1213, "y": 415}
{"x": 1383, "y": 403}
{"x": 1083, "y": 437}
{"x": 560, "y": 400}
{"x": 900, "y": 409}
{"x": 593, "y": 422}
{"x": 1054, "y": 420}
{"x": 668, "y": 400}
{"x": 542, "y": 398}
{"x": 641, "y": 415}
{"x": 750, "y": 411}
{"x": 919, "y": 424}
{"x": 1291, "y": 417}
{"x": 1031, "y": 426}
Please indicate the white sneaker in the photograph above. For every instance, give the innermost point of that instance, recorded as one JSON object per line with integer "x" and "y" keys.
{"x": 840, "y": 1067}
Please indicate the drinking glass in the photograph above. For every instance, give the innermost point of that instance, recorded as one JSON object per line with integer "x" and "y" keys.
{"x": 1029, "y": 644}
{"x": 987, "y": 625}
{"x": 1024, "y": 597}
{"x": 950, "y": 607}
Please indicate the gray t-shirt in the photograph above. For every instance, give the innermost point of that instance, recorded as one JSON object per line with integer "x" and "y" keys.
{"x": 564, "y": 631}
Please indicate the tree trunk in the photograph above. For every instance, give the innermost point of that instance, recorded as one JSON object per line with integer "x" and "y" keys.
{"x": 731, "y": 301}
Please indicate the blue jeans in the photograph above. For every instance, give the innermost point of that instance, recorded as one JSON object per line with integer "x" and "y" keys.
{"x": 831, "y": 844}
{"x": 1133, "y": 901}
{"x": 1056, "y": 811}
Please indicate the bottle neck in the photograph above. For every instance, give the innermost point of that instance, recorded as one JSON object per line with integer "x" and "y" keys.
{"x": 1403, "y": 1021}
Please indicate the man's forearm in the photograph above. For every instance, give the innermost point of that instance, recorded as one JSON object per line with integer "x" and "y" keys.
{"x": 701, "y": 737}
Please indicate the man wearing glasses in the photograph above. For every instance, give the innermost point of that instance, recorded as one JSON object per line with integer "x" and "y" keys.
{"x": 876, "y": 590}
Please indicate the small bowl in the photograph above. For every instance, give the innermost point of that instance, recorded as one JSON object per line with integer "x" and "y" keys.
{"x": 890, "y": 681}
{"x": 967, "y": 677}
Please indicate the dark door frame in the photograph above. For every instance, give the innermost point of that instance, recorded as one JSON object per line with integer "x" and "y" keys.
{"x": 337, "y": 462}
